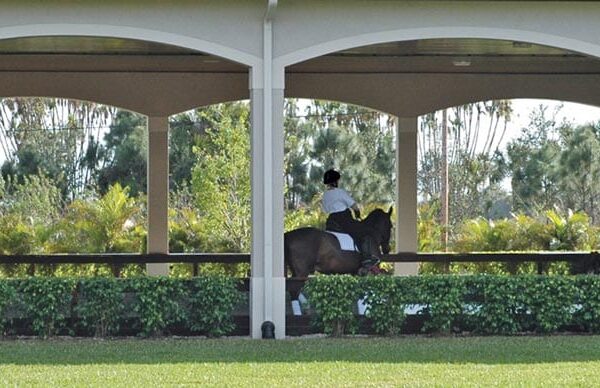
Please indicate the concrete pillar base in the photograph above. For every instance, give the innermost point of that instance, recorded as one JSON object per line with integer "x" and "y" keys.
{"x": 257, "y": 303}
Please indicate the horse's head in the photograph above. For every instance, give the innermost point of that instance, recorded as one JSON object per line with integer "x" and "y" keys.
{"x": 381, "y": 222}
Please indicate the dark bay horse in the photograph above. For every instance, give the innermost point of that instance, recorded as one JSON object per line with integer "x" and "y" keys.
{"x": 309, "y": 249}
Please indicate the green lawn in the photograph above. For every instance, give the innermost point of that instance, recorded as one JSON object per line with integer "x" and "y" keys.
{"x": 499, "y": 361}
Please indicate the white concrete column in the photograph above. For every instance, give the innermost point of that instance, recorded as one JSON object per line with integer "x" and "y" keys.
{"x": 267, "y": 282}
{"x": 406, "y": 192}
{"x": 158, "y": 192}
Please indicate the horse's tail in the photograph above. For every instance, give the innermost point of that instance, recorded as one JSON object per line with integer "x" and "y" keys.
{"x": 286, "y": 256}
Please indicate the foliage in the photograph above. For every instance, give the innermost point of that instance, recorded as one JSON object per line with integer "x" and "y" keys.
{"x": 589, "y": 298}
{"x": 497, "y": 304}
{"x": 475, "y": 164}
{"x": 7, "y": 294}
{"x": 48, "y": 302}
{"x": 549, "y": 300}
{"x": 212, "y": 301}
{"x": 531, "y": 163}
{"x": 58, "y": 137}
{"x": 124, "y": 154}
{"x": 106, "y": 224}
{"x": 442, "y": 297}
{"x": 157, "y": 303}
{"x": 354, "y": 139}
{"x": 485, "y": 304}
{"x": 386, "y": 300}
{"x": 303, "y": 217}
{"x": 221, "y": 179}
{"x": 578, "y": 168}
{"x": 16, "y": 237}
{"x": 508, "y": 305}
{"x": 333, "y": 299}
{"x": 568, "y": 233}
{"x": 99, "y": 305}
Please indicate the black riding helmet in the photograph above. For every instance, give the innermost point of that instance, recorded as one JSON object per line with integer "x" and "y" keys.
{"x": 330, "y": 177}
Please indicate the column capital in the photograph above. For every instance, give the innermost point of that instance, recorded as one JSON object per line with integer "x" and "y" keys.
{"x": 256, "y": 78}
{"x": 158, "y": 123}
{"x": 407, "y": 124}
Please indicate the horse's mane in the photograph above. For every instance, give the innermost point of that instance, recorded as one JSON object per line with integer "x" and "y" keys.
{"x": 375, "y": 213}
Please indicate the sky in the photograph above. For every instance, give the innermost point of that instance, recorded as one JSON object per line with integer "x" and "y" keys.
{"x": 579, "y": 114}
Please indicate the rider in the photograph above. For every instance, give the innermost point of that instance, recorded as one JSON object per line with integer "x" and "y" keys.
{"x": 337, "y": 203}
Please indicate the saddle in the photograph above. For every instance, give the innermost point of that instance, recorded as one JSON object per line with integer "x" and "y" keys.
{"x": 345, "y": 240}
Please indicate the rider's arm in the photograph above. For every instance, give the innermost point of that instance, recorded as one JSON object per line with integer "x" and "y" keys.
{"x": 356, "y": 211}
{"x": 351, "y": 203}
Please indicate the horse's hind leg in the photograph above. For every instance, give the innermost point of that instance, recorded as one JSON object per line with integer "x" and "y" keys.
{"x": 296, "y": 254}
{"x": 294, "y": 288}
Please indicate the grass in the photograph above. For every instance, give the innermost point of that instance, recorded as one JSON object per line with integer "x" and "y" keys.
{"x": 414, "y": 361}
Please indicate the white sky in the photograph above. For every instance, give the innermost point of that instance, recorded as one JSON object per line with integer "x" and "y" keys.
{"x": 576, "y": 113}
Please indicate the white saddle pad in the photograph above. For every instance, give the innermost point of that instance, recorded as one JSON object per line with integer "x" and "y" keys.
{"x": 346, "y": 242}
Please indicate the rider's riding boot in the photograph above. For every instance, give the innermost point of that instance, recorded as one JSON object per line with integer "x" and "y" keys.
{"x": 368, "y": 250}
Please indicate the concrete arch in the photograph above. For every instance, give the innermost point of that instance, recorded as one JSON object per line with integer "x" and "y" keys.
{"x": 225, "y": 101}
{"x": 116, "y": 31}
{"x": 341, "y": 100}
{"x": 387, "y": 92}
{"x": 447, "y": 32}
{"x": 74, "y": 98}
{"x": 593, "y": 104}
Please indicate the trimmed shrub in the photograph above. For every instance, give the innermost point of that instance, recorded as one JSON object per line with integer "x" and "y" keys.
{"x": 7, "y": 295}
{"x": 158, "y": 303}
{"x": 99, "y": 305}
{"x": 549, "y": 300}
{"x": 333, "y": 299}
{"x": 588, "y": 302}
{"x": 385, "y": 297}
{"x": 486, "y": 304}
{"x": 499, "y": 302}
{"x": 48, "y": 303}
{"x": 443, "y": 297}
{"x": 212, "y": 301}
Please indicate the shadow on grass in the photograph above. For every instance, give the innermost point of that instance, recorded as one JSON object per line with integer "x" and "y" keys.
{"x": 479, "y": 350}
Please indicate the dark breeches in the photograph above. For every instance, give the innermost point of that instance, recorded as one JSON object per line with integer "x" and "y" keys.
{"x": 362, "y": 235}
{"x": 344, "y": 222}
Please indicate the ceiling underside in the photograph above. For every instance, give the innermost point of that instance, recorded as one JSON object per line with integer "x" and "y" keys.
{"x": 423, "y": 56}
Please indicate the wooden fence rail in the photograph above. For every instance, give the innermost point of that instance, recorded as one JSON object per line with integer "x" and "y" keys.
{"x": 232, "y": 258}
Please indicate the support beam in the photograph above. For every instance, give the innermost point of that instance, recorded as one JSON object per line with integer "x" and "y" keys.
{"x": 406, "y": 192}
{"x": 267, "y": 283}
{"x": 158, "y": 191}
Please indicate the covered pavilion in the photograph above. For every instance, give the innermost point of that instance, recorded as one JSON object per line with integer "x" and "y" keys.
{"x": 405, "y": 58}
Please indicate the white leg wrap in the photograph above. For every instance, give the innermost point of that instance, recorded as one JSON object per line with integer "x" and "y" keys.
{"x": 302, "y": 298}
{"x": 297, "y": 310}
{"x": 362, "y": 306}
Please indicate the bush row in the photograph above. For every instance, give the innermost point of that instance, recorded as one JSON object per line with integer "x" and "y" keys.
{"x": 481, "y": 304}
{"x": 98, "y": 306}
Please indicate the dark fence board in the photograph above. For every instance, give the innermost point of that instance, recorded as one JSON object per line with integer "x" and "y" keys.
{"x": 233, "y": 258}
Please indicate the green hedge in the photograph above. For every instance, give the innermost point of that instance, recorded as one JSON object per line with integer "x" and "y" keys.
{"x": 481, "y": 304}
{"x": 98, "y": 306}
{"x": 205, "y": 305}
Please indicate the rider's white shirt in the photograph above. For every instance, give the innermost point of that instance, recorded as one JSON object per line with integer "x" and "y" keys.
{"x": 336, "y": 200}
